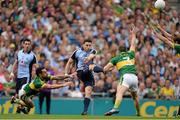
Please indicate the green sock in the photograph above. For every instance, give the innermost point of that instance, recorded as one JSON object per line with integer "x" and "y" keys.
{"x": 117, "y": 104}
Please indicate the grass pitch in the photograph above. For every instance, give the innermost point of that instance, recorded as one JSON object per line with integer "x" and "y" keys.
{"x": 74, "y": 117}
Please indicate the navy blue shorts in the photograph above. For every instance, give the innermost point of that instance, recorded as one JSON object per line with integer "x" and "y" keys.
{"x": 19, "y": 83}
{"x": 86, "y": 77}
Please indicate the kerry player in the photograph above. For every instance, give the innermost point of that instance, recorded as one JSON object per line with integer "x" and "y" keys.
{"x": 31, "y": 89}
{"x": 125, "y": 63}
{"x": 168, "y": 38}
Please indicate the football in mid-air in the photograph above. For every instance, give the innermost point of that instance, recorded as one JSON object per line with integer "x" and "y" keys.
{"x": 159, "y": 4}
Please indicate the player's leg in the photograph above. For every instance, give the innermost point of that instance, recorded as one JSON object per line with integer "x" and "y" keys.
{"x": 178, "y": 114}
{"x": 19, "y": 83}
{"x": 136, "y": 102}
{"x": 87, "y": 99}
{"x": 21, "y": 104}
{"x": 29, "y": 103}
{"x": 48, "y": 102}
{"x": 95, "y": 68}
{"x": 18, "y": 86}
{"x": 41, "y": 99}
{"x": 133, "y": 89}
{"x": 88, "y": 80}
{"x": 119, "y": 96}
{"x": 16, "y": 99}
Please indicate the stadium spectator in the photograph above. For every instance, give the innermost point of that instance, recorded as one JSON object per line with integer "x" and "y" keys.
{"x": 1, "y": 90}
{"x": 167, "y": 91}
{"x": 142, "y": 91}
{"x": 153, "y": 92}
{"x": 176, "y": 89}
{"x": 74, "y": 92}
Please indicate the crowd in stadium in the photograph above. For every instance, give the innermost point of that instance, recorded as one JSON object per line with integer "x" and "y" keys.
{"x": 57, "y": 27}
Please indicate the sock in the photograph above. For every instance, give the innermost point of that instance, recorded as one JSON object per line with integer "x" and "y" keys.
{"x": 179, "y": 111}
{"x": 117, "y": 104}
{"x": 17, "y": 101}
{"x": 98, "y": 69}
{"x": 86, "y": 104}
{"x": 137, "y": 108}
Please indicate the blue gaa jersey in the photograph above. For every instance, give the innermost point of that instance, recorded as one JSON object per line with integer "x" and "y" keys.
{"x": 79, "y": 55}
{"x": 25, "y": 63}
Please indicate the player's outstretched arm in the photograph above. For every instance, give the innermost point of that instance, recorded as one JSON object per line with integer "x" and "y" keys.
{"x": 133, "y": 38}
{"x": 60, "y": 77}
{"x": 108, "y": 67}
{"x": 164, "y": 39}
{"x": 167, "y": 35}
{"x": 55, "y": 86}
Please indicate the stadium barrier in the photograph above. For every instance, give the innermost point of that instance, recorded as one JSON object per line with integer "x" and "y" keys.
{"x": 74, "y": 106}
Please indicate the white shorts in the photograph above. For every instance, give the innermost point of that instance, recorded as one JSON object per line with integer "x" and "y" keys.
{"x": 130, "y": 81}
{"x": 21, "y": 91}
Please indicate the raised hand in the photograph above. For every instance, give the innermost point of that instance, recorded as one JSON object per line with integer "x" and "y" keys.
{"x": 133, "y": 29}
{"x": 11, "y": 76}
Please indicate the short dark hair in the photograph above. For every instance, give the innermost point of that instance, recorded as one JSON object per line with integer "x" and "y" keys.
{"x": 122, "y": 48}
{"x": 26, "y": 39}
{"x": 39, "y": 70}
{"x": 87, "y": 40}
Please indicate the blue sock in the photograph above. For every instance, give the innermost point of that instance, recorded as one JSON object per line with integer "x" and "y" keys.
{"x": 98, "y": 69}
{"x": 86, "y": 104}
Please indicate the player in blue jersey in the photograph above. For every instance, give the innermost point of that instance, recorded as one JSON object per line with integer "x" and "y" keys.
{"x": 83, "y": 58}
{"x": 23, "y": 66}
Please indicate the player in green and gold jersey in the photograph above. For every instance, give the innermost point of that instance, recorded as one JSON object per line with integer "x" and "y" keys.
{"x": 168, "y": 38}
{"x": 125, "y": 63}
{"x": 31, "y": 89}
{"x": 161, "y": 34}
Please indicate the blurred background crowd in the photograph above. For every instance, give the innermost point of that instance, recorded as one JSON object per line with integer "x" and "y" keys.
{"x": 58, "y": 27}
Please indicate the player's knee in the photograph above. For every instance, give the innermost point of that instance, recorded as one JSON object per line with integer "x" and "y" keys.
{"x": 134, "y": 95}
{"x": 30, "y": 104}
{"x": 119, "y": 95}
{"x": 91, "y": 66}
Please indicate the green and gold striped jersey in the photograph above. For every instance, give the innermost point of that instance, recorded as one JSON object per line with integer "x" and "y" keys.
{"x": 34, "y": 87}
{"x": 177, "y": 48}
{"x": 125, "y": 62}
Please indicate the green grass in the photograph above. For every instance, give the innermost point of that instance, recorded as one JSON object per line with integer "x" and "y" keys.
{"x": 76, "y": 117}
